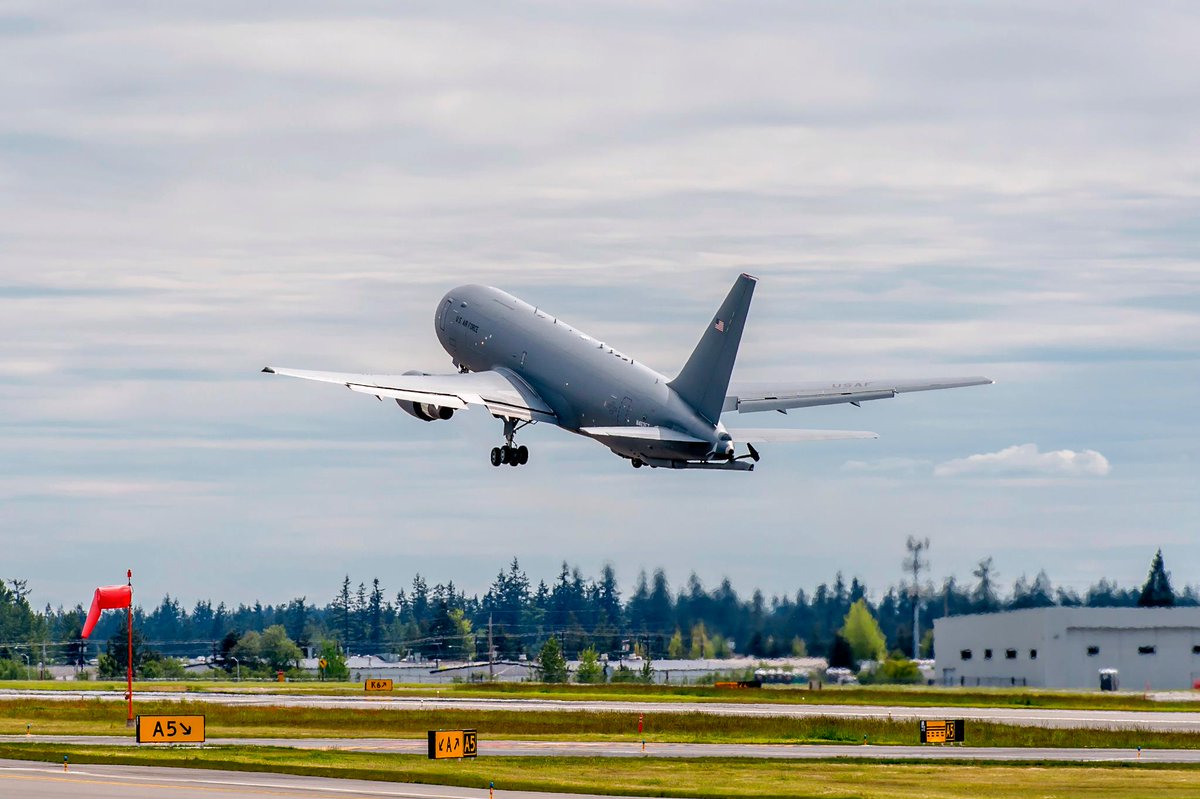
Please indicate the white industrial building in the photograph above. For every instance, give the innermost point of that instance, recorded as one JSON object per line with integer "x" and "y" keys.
{"x": 1061, "y": 647}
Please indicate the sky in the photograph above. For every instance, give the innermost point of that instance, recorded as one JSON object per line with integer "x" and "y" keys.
{"x": 189, "y": 192}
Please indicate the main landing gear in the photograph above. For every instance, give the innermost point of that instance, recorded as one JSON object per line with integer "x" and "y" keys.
{"x": 513, "y": 456}
{"x": 509, "y": 453}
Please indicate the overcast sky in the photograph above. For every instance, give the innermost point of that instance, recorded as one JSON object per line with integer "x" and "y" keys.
{"x": 190, "y": 193}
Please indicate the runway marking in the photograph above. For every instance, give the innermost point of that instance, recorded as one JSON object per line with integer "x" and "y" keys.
{"x": 216, "y": 786}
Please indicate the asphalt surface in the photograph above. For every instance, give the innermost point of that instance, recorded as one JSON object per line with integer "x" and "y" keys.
{"x": 39, "y": 781}
{"x": 1162, "y": 721}
{"x": 634, "y": 749}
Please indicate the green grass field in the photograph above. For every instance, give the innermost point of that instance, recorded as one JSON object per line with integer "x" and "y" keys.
{"x": 670, "y": 777}
{"x": 94, "y": 717}
{"x": 915, "y": 696}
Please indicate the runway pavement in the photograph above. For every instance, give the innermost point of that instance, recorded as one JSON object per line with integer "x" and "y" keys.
{"x": 39, "y": 781}
{"x": 1162, "y": 721}
{"x": 634, "y": 749}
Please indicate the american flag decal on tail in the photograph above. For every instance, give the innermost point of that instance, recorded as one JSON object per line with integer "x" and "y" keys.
{"x": 720, "y": 326}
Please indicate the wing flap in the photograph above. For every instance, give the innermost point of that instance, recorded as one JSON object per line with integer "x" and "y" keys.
{"x": 785, "y": 436}
{"x": 424, "y": 397}
{"x": 642, "y": 433}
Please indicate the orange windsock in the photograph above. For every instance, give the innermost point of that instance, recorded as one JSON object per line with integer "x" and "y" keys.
{"x": 107, "y": 597}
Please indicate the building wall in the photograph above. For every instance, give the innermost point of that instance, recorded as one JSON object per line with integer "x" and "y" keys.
{"x": 957, "y": 636}
{"x": 1061, "y": 638}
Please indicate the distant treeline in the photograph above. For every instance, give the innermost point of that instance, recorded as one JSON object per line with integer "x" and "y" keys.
{"x": 442, "y": 621}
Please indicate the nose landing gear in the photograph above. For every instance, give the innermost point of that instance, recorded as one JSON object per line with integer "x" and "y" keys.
{"x": 509, "y": 453}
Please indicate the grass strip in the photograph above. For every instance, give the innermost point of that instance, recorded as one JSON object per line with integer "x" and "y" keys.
{"x": 96, "y": 717}
{"x": 705, "y": 778}
{"x": 911, "y": 696}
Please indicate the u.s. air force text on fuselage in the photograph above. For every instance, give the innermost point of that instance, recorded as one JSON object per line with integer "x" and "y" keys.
{"x": 526, "y": 366}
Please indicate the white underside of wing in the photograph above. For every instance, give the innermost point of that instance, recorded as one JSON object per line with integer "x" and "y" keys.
{"x": 502, "y": 392}
{"x": 784, "y": 436}
{"x": 642, "y": 433}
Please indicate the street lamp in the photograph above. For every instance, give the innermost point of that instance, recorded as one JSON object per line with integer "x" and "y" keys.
{"x": 238, "y": 665}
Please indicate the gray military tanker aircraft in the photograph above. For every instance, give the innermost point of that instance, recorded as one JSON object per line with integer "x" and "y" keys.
{"x": 525, "y": 366}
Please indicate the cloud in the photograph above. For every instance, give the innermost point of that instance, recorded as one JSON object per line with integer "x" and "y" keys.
{"x": 1024, "y": 460}
{"x": 188, "y": 196}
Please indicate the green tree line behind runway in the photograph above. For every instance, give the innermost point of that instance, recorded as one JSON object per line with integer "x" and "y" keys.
{"x": 656, "y": 619}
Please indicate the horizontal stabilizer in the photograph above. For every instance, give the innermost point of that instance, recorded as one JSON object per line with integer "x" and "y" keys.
{"x": 755, "y": 397}
{"x": 785, "y": 436}
{"x": 641, "y": 433}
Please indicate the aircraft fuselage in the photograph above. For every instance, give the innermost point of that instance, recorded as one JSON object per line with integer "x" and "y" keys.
{"x": 586, "y": 382}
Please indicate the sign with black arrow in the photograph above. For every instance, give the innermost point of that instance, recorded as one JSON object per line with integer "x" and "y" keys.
{"x": 170, "y": 729}
{"x": 452, "y": 744}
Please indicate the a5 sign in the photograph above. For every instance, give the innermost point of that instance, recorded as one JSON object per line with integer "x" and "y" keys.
{"x": 170, "y": 729}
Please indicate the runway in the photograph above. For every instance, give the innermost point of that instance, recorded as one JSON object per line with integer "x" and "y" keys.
{"x": 38, "y": 781}
{"x": 633, "y": 749}
{"x": 1161, "y": 721}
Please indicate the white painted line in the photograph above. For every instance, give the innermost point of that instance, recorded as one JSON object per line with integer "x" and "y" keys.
{"x": 241, "y": 784}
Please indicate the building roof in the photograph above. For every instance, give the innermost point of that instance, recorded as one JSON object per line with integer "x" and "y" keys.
{"x": 1113, "y": 618}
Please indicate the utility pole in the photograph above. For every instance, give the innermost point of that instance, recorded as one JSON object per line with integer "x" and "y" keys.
{"x": 491, "y": 667}
{"x": 915, "y": 563}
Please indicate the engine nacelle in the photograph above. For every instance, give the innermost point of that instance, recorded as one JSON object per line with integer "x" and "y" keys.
{"x": 424, "y": 411}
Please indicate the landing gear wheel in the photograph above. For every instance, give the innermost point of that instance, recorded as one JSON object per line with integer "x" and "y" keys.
{"x": 514, "y": 457}
{"x": 637, "y": 463}
{"x": 522, "y": 454}
{"x": 497, "y": 458}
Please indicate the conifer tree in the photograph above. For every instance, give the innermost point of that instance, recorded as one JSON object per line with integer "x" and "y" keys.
{"x": 1157, "y": 593}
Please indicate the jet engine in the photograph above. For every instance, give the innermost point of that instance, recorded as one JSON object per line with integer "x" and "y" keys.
{"x": 425, "y": 411}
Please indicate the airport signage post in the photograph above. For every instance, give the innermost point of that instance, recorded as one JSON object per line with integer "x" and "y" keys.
{"x": 170, "y": 729}
{"x": 445, "y": 744}
{"x": 377, "y": 685}
{"x": 943, "y": 731}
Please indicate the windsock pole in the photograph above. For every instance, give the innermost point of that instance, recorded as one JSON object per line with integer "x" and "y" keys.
{"x": 129, "y": 658}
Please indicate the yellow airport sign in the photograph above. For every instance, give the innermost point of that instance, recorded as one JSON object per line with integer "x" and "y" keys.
{"x": 378, "y": 685}
{"x": 170, "y": 729}
{"x": 942, "y": 731}
{"x": 452, "y": 743}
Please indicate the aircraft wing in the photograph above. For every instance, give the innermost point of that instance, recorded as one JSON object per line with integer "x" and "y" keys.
{"x": 754, "y": 397}
{"x": 500, "y": 391}
{"x": 785, "y": 436}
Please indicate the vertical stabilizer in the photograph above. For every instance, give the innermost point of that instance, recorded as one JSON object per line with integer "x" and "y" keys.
{"x": 705, "y": 376}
